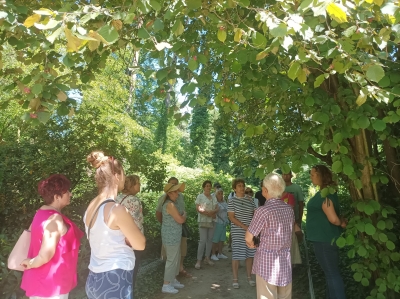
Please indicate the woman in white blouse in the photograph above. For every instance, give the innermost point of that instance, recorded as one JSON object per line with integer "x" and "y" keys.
{"x": 207, "y": 208}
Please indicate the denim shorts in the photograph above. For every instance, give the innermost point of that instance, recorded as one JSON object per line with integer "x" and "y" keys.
{"x": 219, "y": 233}
{"x": 111, "y": 284}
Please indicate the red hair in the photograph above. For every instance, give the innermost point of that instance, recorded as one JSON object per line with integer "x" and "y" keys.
{"x": 56, "y": 184}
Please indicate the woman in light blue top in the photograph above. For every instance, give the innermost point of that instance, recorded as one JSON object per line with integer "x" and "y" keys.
{"x": 220, "y": 227}
{"x": 171, "y": 234}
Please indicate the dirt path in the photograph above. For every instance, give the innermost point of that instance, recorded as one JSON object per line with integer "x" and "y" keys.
{"x": 214, "y": 282}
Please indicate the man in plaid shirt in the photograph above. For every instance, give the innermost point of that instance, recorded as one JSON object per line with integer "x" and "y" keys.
{"x": 274, "y": 221}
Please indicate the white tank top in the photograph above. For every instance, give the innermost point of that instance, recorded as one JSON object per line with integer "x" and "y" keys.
{"x": 108, "y": 248}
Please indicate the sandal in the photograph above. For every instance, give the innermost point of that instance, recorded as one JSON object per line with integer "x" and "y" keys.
{"x": 184, "y": 273}
{"x": 251, "y": 282}
{"x": 208, "y": 262}
{"x": 197, "y": 266}
{"x": 235, "y": 285}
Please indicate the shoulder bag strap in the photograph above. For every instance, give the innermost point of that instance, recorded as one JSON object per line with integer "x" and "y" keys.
{"x": 95, "y": 213}
{"x": 123, "y": 199}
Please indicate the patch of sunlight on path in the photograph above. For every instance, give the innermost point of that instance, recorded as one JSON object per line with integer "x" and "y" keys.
{"x": 212, "y": 282}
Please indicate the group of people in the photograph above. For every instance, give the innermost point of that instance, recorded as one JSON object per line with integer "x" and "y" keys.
{"x": 263, "y": 232}
{"x": 262, "y": 229}
{"x": 114, "y": 231}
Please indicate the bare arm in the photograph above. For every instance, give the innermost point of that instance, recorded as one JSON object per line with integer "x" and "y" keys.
{"x": 173, "y": 211}
{"x": 54, "y": 228}
{"x": 215, "y": 210}
{"x": 249, "y": 240}
{"x": 121, "y": 218}
{"x": 236, "y": 222}
{"x": 159, "y": 216}
{"x": 329, "y": 210}
{"x": 200, "y": 210}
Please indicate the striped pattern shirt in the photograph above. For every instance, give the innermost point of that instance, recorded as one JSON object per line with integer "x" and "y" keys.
{"x": 243, "y": 209}
{"x": 272, "y": 262}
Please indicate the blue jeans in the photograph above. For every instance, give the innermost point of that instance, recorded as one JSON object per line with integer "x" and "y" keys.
{"x": 328, "y": 258}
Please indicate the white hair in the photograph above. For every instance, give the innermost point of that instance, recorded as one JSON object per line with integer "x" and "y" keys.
{"x": 275, "y": 185}
{"x": 219, "y": 190}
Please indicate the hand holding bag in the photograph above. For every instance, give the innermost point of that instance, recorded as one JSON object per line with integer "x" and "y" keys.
{"x": 20, "y": 251}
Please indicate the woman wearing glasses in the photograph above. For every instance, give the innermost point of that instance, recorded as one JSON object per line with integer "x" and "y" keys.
{"x": 112, "y": 232}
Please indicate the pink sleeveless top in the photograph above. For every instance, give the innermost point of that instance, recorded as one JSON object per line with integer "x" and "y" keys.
{"x": 58, "y": 276}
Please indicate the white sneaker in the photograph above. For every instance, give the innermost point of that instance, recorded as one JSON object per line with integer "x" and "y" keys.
{"x": 176, "y": 284}
{"x": 221, "y": 256}
{"x": 169, "y": 289}
{"x": 214, "y": 258}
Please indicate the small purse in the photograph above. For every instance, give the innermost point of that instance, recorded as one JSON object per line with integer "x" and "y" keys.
{"x": 20, "y": 251}
{"x": 299, "y": 233}
{"x": 256, "y": 240}
{"x": 206, "y": 224}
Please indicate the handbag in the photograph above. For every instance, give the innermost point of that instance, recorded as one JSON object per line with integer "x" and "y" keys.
{"x": 256, "y": 240}
{"x": 20, "y": 251}
{"x": 298, "y": 232}
{"x": 185, "y": 230}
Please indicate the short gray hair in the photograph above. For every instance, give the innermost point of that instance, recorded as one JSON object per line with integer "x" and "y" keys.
{"x": 275, "y": 184}
{"x": 219, "y": 190}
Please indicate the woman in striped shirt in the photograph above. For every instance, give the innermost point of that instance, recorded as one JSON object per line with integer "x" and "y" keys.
{"x": 240, "y": 212}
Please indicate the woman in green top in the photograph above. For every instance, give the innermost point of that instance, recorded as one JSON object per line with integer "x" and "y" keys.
{"x": 324, "y": 226}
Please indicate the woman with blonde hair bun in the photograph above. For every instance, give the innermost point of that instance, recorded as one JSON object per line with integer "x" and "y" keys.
{"x": 111, "y": 231}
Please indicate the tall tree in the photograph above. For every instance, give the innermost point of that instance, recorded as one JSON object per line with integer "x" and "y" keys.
{"x": 221, "y": 149}
{"x": 200, "y": 136}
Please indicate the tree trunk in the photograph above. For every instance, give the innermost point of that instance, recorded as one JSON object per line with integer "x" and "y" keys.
{"x": 361, "y": 155}
{"x": 393, "y": 166}
{"x": 132, "y": 81}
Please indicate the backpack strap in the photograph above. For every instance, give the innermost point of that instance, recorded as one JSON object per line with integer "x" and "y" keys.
{"x": 95, "y": 213}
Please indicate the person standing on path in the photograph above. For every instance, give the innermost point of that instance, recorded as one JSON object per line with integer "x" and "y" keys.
{"x": 134, "y": 206}
{"x": 294, "y": 248}
{"x": 259, "y": 196}
{"x": 216, "y": 186}
{"x": 54, "y": 244}
{"x": 220, "y": 227}
{"x": 180, "y": 204}
{"x": 207, "y": 208}
{"x": 323, "y": 226}
{"x": 249, "y": 193}
{"x": 298, "y": 196}
{"x": 274, "y": 223}
{"x": 112, "y": 233}
{"x": 171, "y": 234}
{"x": 240, "y": 212}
